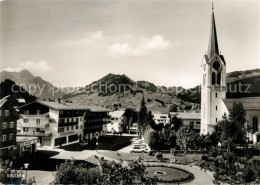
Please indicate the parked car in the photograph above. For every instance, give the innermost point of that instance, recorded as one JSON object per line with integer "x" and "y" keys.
{"x": 138, "y": 149}
{"x": 137, "y": 142}
{"x": 135, "y": 139}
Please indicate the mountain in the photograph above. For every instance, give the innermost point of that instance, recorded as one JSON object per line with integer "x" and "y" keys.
{"x": 9, "y": 88}
{"x": 119, "y": 92}
{"x": 34, "y": 85}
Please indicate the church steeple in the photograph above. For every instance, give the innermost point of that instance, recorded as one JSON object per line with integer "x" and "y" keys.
{"x": 213, "y": 40}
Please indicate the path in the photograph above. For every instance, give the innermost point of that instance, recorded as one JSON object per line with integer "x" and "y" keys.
{"x": 41, "y": 177}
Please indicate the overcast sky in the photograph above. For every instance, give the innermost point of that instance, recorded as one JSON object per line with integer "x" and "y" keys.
{"x": 162, "y": 41}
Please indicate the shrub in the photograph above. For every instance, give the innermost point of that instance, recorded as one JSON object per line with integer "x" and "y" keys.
{"x": 3, "y": 175}
{"x": 159, "y": 156}
{"x": 205, "y": 158}
{"x": 150, "y": 153}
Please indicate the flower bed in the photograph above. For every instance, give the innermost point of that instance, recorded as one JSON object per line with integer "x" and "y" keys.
{"x": 173, "y": 174}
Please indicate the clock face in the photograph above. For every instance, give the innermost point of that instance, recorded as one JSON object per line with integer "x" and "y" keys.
{"x": 204, "y": 67}
{"x": 216, "y": 65}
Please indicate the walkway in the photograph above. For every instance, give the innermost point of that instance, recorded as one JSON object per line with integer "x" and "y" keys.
{"x": 41, "y": 177}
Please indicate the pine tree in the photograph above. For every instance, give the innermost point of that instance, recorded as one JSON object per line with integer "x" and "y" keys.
{"x": 142, "y": 114}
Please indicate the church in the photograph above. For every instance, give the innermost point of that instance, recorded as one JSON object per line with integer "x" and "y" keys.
{"x": 214, "y": 88}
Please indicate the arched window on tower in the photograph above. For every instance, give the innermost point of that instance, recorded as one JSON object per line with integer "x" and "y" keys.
{"x": 204, "y": 79}
{"x": 219, "y": 78}
{"x": 213, "y": 78}
{"x": 255, "y": 124}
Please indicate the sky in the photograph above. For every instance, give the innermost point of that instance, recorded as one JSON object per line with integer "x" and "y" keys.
{"x": 75, "y": 42}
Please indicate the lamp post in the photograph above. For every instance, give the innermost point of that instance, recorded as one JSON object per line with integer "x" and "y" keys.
{"x": 219, "y": 147}
{"x": 26, "y": 167}
{"x": 96, "y": 141}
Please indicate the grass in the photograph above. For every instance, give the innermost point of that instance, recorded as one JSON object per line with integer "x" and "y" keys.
{"x": 171, "y": 173}
{"x": 167, "y": 157}
{"x": 109, "y": 142}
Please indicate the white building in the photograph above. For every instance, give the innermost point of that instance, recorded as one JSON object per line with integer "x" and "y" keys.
{"x": 57, "y": 124}
{"x": 213, "y": 91}
{"x": 161, "y": 118}
{"x": 115, "y": 126}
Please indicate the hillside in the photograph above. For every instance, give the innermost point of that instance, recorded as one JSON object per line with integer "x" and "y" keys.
{"x": 34, "y": 85}
{"x": 9, "y": 88}
{"x": 248, "y": 81}
{"x": 115, "y": 92}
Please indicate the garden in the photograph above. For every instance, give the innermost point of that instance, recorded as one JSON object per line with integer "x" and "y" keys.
{"x": 168, "y": 174}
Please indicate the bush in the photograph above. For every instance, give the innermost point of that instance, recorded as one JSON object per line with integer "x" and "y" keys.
{"x": 3, "y": 175}
{"x": 205, "y": 158}
{"x": 150, "y": 153}
{"x": 159, "y": 156}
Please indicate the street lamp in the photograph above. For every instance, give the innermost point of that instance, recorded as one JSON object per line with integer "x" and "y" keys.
{"x": 96, "y": 141}
{"x": 26, "y": 167}
{"x": 219, "y": 148}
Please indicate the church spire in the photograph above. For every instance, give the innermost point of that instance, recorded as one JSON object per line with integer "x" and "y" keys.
{"x": 213, "y": 41}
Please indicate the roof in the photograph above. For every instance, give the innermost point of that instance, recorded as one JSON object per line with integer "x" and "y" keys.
{"x": 213, "y": 40}
{"x": 69, "y": 106}
{"x": 3, "y": 100}
{"x": 187, "y": 115}
{"x": 249, "y": 103}
{"x": 156, "y": 116}
{"x": 63, "y": 106}
{"x": 116, "y": 114}
{"x": 94, "y": 108}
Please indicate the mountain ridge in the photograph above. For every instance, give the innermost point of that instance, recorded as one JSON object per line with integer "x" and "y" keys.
{"x": 117, "y": 91}
{"x": 35, "y": 85}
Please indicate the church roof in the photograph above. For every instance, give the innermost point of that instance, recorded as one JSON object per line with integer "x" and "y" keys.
{"x": 249, "y": 103}
{"x": 213, "y": 40}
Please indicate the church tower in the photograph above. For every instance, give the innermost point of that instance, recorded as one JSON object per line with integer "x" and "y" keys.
{"x": 213, "y": 87}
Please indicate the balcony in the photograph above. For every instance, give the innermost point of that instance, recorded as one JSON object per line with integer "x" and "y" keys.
{"x": 45, "y": 115}
{"x": 35, "y": 125}
{"x": 36, "y": 134}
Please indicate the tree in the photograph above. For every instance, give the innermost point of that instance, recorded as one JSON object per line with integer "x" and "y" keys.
{"x": 142, "y": 116}
{"x": 232, "y": 130}
{"x": 237, "y": 117}
{"x": 176, "y": 122}
{"x": 154, "y": 139}
{"x": 115, "y": 173}
{"x": 72, "y": 173}
{"x": 173, "y": 108}
{"x": 107, "y": 173}
{"x": 187, "y": 137}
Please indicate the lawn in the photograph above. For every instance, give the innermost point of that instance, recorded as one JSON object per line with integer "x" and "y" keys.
{"x": 109, "y": 142}
{"x": 171, "y": 173}
{"x": 167, "y": 157}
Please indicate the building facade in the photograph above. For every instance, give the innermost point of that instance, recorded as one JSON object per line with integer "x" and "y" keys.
{"x": 96, "y": 119}
{"x": 57, "y": 124}
{"x": 116, "y": 124}
{"x": 160, "y": 118}
{"x": 8, "y": 120}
